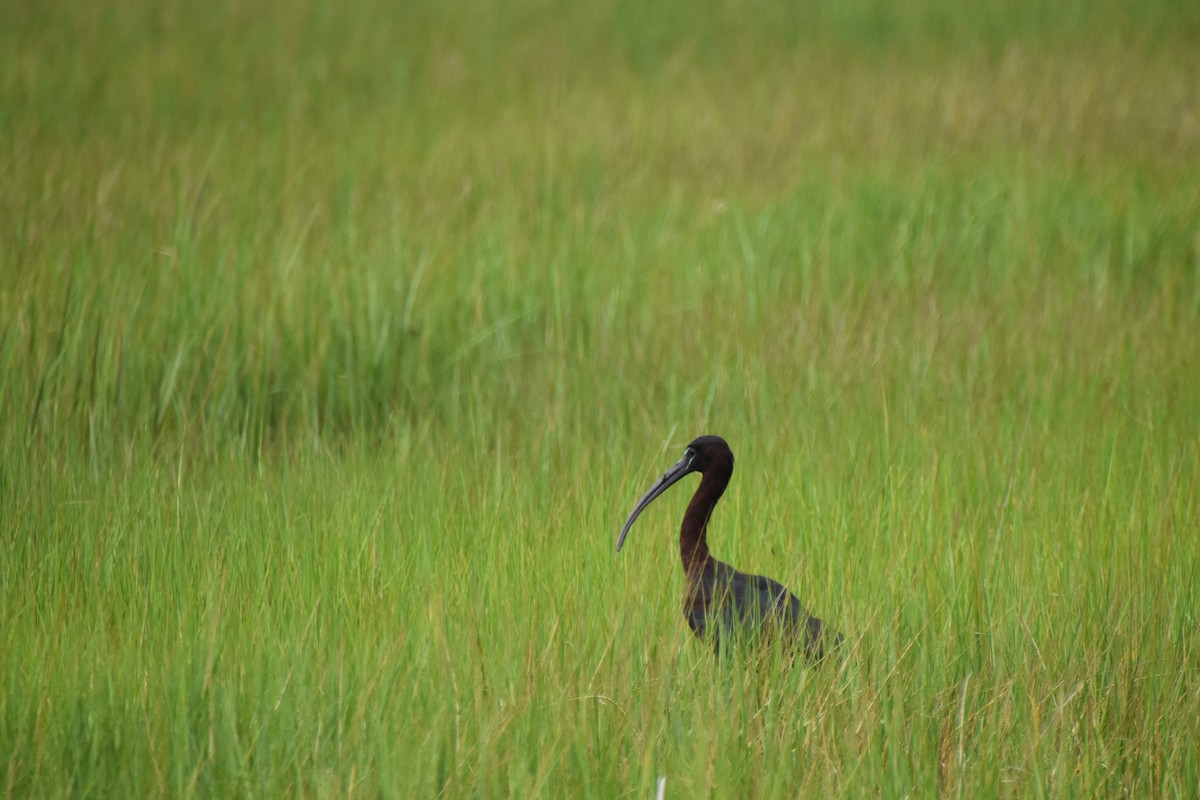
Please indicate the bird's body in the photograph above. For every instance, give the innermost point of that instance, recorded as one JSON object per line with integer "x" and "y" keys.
{"x": 722, "y": 604}
{"x": 730, "y": 605}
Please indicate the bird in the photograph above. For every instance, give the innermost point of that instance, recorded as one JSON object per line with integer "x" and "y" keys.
{"x": 720, "y": 602}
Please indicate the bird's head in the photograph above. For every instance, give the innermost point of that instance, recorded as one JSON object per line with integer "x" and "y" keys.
{"x": 704, "y": 453}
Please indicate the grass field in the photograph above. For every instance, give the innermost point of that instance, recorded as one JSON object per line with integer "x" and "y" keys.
{"x": 336, "y": 344}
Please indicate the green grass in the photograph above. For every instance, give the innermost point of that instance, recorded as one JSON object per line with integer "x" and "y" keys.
{"x": 336, "y": 345}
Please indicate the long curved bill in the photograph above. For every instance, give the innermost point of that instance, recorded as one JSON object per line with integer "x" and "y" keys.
{"x": 681, "y": 468}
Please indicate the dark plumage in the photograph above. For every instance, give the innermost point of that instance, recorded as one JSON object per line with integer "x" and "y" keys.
{"x": 721, "y": 602}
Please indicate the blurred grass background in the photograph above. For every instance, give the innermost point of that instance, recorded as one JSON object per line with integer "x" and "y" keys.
{"x": 337, "y": 342}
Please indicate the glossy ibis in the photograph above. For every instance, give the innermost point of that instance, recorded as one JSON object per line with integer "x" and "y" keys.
{"x": 720, "y": 601}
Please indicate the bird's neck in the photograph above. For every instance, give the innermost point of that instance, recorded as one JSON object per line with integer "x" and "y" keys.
{"x": 693, "y": 535}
